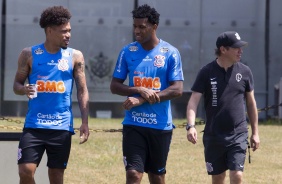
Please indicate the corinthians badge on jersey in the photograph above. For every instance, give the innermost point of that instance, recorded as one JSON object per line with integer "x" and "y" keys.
{"x": 63, "y": 65}
{"x": 159, "y": 61}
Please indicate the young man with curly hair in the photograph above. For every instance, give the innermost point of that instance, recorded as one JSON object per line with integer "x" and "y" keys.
{"x": 155, "y": 76}
{"x": 51, "y": 67}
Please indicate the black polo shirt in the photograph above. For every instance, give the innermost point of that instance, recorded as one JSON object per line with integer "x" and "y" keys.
{"x": 224, "y": 96}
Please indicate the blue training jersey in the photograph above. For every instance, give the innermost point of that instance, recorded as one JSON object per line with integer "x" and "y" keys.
{"x": 153, "y": 69}
{"x": 53, "y": 75}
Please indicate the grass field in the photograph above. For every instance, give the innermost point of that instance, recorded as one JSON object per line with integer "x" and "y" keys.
{"x": 99, "y": 161}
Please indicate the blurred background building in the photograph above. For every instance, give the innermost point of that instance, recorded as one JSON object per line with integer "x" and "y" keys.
{"x": 100, "y": 28}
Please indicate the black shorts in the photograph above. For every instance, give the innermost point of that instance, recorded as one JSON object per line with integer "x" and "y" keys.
{"x": 34, "y": 142}
{"x": 225, "y": 152}
{"x": 145, "y": 149}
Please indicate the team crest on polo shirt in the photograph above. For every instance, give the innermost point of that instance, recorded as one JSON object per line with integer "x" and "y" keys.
{"x": 238, "y": 77}
{"x": 63, "y": 65}
{"x": 159, "y": 61}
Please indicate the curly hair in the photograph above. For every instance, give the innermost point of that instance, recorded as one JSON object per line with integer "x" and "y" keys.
{"x": 54, "y": 16}
{"x": 145, "y": 11}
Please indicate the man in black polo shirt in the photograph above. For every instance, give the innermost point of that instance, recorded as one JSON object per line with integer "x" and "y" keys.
{"x": 228, "y": 87}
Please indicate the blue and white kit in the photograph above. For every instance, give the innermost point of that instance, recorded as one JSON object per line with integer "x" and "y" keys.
{"x": 153, "y": 69}
{"x": 53, "y": 75}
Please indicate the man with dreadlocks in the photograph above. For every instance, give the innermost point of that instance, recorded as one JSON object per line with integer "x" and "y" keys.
{"x": 155, "y": 76}
{"x": 51, "y": 67}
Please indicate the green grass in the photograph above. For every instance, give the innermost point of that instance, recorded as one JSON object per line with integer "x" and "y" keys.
{"x": 99, "y": 160}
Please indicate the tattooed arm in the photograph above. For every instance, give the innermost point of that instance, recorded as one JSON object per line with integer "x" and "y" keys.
{"x": 24, "y": 68}
{"x": 82, "y": 93}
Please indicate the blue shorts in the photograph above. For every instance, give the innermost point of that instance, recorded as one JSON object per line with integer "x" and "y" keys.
{"x": 56, "y": 143}
{"x": 145, "y": 149}
{"x": 223, "y": 152}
